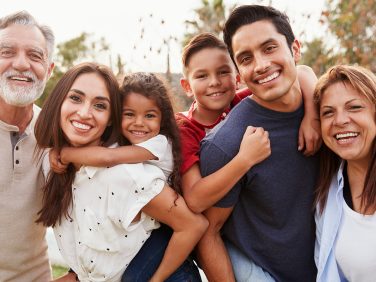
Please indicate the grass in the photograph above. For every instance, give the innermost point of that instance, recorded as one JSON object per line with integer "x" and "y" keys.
{"x": 58, "y": 271}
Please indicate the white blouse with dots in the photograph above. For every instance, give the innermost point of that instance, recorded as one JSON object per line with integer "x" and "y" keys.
{"x": 100, "y": 239}
{"x": 160, "y": 147}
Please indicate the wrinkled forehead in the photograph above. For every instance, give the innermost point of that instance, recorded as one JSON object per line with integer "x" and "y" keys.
{"x": 23, "y": 37}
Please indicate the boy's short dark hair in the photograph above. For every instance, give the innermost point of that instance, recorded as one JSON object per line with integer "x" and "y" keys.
{"x": 248, "y": 14}
{"x": 197, "y": 43}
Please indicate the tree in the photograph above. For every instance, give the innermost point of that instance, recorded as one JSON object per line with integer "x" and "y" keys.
{"x": 210, "y": 17}
{"x": 72, "y": 52}
{"x": 354, "y": 24}
{"x": 351, "y": 28}
{"x": 318, "y": 56}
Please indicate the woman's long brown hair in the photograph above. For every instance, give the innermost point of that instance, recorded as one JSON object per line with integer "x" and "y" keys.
{"x": 57, "y": 192}
{"x": 364, "y": 82}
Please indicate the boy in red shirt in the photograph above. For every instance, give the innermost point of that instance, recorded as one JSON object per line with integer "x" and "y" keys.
{"x": 211, "y": 78}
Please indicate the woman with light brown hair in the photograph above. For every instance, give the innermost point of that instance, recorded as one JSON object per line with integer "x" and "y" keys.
{"x": 345, "y": 247}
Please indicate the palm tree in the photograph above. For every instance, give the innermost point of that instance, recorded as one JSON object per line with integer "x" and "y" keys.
{"x": 210, "y": 18}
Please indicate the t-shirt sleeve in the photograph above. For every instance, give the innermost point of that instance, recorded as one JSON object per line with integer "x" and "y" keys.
{"x": 212, "y": 159}
{"x": 190, "y": 147}
{"x": 156, "y": 145}
{"x": 148, "y": 182}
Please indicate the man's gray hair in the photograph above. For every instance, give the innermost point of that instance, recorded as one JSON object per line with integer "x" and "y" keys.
{"x": 24, "y": 18}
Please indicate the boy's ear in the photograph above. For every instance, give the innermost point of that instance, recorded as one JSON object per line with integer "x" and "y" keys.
{"x": 187, "y": 87}
{"x": 296, "y": 50}
{"x": 237, "y": 81}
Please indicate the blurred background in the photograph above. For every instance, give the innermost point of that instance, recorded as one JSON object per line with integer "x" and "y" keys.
{"x": 148, "y": 35}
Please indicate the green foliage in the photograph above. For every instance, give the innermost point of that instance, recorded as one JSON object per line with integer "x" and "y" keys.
{"x": 210, "y": 17}
{"x": 58, "y": 271}
{"x": 72, "y": 52}
{"x": 354, "y": 24}
{"x": 318, "y": 56}
{"x": 351, "y": 28}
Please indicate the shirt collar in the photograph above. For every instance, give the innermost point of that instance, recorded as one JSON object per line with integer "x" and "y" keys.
{"x": 340, "y": 180}
{"x": 219, "y": 119}
{"x": 30, "y": 127}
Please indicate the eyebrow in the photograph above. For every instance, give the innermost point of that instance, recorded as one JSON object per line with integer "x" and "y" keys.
{"x": 30, "y": 48}
{"x": 266, "y": 42}
{"x": 6, "y": 45}
{"x": 102, "y": 98}
{"x": 38, "y": 50}
{"x": 348, "y": 102}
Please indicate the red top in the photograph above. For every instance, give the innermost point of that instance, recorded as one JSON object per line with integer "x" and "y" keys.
{"x": 192, "y": 132}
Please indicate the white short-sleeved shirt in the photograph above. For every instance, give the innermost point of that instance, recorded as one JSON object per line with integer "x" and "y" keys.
{"x": 100, "y": 240}
{"x": 160, "y": 147}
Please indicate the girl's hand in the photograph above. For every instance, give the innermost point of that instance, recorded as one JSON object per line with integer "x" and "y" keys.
{"x": 255, "y": 145}
{"x": 56, "y": 165}
{"x": 309, "y": 141}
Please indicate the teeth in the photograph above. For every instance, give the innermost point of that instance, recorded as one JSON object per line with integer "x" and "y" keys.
{"x": 269, "y": 78}
{"x": 138, "y": 132}
{"x": 346, "y": 135}
{"x": 80, "y": 125}
{"x": 215, "y": 94}
{"x": 20, "y": 78}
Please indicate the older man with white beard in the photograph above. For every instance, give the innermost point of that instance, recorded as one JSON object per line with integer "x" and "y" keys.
{"x": 25, "y": 65}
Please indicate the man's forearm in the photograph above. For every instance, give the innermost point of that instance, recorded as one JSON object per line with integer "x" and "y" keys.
{"x": 214, "y": 259}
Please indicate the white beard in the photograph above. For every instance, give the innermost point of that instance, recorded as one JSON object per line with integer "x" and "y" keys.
{"x": 18, "y": 95}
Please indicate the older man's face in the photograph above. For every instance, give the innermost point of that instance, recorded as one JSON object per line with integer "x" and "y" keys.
{"x": 24, "y": 66}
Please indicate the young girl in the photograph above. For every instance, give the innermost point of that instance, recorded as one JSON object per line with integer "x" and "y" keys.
{"x": 103, "y": 216}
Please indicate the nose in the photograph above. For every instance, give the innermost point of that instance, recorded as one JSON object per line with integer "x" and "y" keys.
{"x": 341, "y": 118}
{"x": 139, "y": 120}
{"x": 21, "y": 62}
{"x": 261, "y": 63}
{"x": 84, "y": 112}
{"x": 214, "y": 81}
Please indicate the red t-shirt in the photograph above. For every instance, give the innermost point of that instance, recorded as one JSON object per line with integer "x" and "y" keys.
{"x": 192, "y": 132}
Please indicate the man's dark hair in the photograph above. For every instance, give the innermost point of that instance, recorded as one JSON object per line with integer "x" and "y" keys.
{"x": 248, "y": 14}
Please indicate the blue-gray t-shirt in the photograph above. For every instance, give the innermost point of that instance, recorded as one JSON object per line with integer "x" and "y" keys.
{"x": 272, "y": 221}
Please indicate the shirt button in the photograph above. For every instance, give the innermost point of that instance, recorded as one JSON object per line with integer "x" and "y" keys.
{"x": 224, "y": 114}
{"x": 17, "y": 161}
{"x": 16, "y": 148}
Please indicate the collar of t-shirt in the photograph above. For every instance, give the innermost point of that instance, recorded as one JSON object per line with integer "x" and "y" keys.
{"x": 193, "y": 107}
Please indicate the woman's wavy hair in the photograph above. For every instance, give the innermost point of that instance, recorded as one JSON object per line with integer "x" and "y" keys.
{"x": 153, "y": 87}
{"x": 57, "y": 192}
{"x": 364, "y": 82}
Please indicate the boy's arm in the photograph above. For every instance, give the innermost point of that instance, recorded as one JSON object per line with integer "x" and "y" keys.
{"x": 102, "y": 156}
{"x": 309, "y": 131}
{"x": 202, "y": 193}
{"x": 211, "y": 251}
